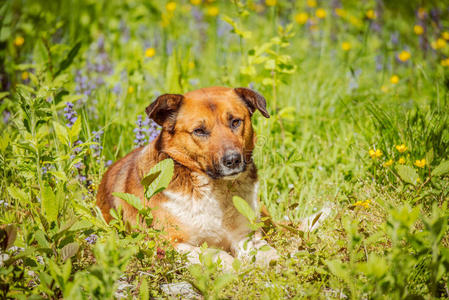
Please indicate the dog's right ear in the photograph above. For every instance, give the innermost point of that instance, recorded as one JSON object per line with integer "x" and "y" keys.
{"x": 164, "y": 109}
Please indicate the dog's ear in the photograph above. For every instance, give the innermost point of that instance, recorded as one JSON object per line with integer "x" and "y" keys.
{"x": 253, "y": 100}
{"x": 164, "y": 109}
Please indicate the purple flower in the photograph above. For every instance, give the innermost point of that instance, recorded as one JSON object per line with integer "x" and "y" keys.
{"x": 70, "y": 114}
{"x": 97, "y": 139}
{"x": 145, "y": 129}
{"x": 91, "y": 239}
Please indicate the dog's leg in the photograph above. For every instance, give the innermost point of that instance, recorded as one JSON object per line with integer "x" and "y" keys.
{"x": 256, "y": 246}
{"x": 193, "y": 255}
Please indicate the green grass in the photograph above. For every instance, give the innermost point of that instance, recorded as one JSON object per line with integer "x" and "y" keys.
{"x": 328, "y": 107}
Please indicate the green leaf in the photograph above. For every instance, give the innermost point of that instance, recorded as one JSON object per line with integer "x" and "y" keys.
{"x": 61, "y": 133}
{"x": 165, "y": 169}
{"x": 243, "y": 207}
{"x": 4, "y": 141}
{"x": 69, "y": 250}
{"x": 131, "y": 199}
{"x": 48, "y": 204}
{"x": 407, "y": 174}
{"x": 76, "y": 128}
{"x": 39, "y": 236}
{"x": 441, "y": 169}
{"x": 17, "y": 194}
{"x": 144, "y": 292}
{"x": 68, "y": 59}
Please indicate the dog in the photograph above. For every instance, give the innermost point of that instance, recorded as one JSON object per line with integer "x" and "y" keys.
{"x": 209, "y": 135}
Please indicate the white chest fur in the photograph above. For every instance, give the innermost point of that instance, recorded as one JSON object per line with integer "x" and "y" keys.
{"x": 211, "y": 217}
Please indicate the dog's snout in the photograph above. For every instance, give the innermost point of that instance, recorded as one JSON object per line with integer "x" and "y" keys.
{"x": 232, "y": 160}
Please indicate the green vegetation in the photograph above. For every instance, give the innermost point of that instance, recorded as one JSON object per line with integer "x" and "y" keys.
{"x": 359, "y": 103}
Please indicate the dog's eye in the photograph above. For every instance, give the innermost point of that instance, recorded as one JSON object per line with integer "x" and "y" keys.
{"x": 200, "y": 132}
{"x": 236, "y": 123}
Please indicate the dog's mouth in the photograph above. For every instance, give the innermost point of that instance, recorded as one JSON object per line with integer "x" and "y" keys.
{"x": 220, "y": 173}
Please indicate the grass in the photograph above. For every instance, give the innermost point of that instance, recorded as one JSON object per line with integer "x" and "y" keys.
{"x": 387, "y": 236}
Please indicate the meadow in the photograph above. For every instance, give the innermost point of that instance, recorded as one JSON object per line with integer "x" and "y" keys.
{"x": 358, "y": 93}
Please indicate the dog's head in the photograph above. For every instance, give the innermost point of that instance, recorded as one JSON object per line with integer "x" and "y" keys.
{"x": 208, "y": 130}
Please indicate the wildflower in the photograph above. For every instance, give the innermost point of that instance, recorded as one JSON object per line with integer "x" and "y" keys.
{"x": 371, "y": 14}
{"x": 270, "y": 2}
{"x": 418, "y": 29}
{"x": 401, "y": 160}
{"x": 311, "y": 3}
{"x": 346, "y": 46}
{"x": 320, "y": 13}
{"x": 70, "y": 114}
{"x": 375, "y": 153}
{"x": 404, "y": 56}
{"x": 212, "y": 11}
{"x": 171, "y": 6}
{"x": 195, "y": 2}
{"x": 117, "y": 89}
{"x": 438, "y": 44}
{"x": 394, "y": 79}
{"x": 388, "y": 163}
{"x": 401, "y": 148}
{"x": 97, "y": 140}
{"x": 91, "y": 239}
{"x": 364, "y": 204}
{"x": 421, "y": 13}
{"x": 445, "y": 35}
{"x": 445, "y": 62}
{"x": 19, "y": 40}
{"x": 191, "y": 65}
{"x": 130, "y": 90}
{"x": 150, "y": 52}
{"x": 25, "y": 75}
{"x": 420, "y": 163}
{"x": 384, "y": 88}
{"x": 340, "y": 12}
{"x": 108, "y": 163}
{"x": 301, "y": 18}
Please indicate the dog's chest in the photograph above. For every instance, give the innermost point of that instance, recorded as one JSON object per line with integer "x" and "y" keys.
{"x": 210, "y": 216}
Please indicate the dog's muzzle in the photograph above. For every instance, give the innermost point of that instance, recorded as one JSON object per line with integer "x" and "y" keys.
{"x": 231, "y": 164}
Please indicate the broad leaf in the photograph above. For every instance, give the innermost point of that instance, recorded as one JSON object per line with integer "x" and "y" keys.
{"x": 75, "y": 130}
{"x": 48, "y": 204}
{"x": 69, "y": 250}
{"x": 441, "y": 169}
{"x": 165, "y": 169}
{"x": 407, "y": 174}
{"x": 131, "y": 199}
{"x": 243, "y": 207}
{"x": 61, "y": 133}
{"x": 69, "y": 58}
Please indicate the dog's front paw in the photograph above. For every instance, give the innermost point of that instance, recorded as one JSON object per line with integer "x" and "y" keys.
{"x": 259, "y": 249}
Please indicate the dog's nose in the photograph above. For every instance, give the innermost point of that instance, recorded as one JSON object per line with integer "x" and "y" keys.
{"x": 232, "y": 160}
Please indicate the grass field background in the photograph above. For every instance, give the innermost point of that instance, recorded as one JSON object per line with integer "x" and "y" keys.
{"x": 358, "y": 97}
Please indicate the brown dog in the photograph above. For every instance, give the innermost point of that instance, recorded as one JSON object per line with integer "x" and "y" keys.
{"x": 209, "y": 135}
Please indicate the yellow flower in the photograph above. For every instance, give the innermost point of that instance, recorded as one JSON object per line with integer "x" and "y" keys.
{"x": 212, "y": 11}
{"x": 364, "y": 204}
{"x": 301, "y": 18}
{"x": 421, "y": 12}
{"x": 420, "y": 163}
{"x": 191, "y": 65}
{"x": 445, "y": 62}
{"x": 150, "y": 52}
{"x": 18, "y": 41}
{"x": 25, "y": 75}
{"x": 130, "y": 90}
{"x": 195, "y": 2}
{"x": 171, "y": 6}
{"x": 394, "y": 79}
{"x": 401, "y": 160}
{"x": 388, "y": 163}
{"x": 346, "y": 46}
{"x": 418, "y": 29}
{"x": 340, "y": 12}
{"x": 311, "y": 3}
{"x": 404, "y": 56}
{"x": 371, "y": 14}
{"x": 401, "y": 148}
{"x": 320, "y": 13}
{"x": 445, "y": 35}
{"x": 375, "y": 153}
{"x": 438, "y": 44}
{"x": 270, "y": 2}
{"x": 384, "y": 88}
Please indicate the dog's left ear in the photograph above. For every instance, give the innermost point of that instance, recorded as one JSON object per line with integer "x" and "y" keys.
{"x": 253, "y": 100}
{"x": 164, "y": 108}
